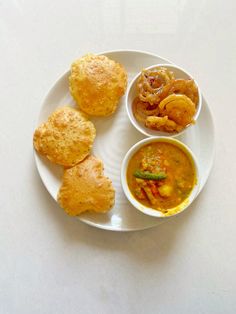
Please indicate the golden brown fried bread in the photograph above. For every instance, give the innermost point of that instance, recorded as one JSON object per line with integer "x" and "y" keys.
{"x": 66, "y": 138}
{"x": 85, "y": 188}
{"x": 97, "y": 83}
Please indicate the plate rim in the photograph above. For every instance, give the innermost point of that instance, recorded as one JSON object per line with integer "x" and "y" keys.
{"x": 160, "y": 221}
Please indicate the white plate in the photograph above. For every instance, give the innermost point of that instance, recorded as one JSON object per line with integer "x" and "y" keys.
{"x": 115, "y": 135}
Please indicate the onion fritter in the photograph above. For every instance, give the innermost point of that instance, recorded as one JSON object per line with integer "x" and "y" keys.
{"x": 162, "y": 124}
{"x": 178, "y": 108}
{"x": 153, "y": 85}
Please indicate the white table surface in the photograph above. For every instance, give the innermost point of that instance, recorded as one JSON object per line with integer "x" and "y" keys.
{"x": 52, "y": 263}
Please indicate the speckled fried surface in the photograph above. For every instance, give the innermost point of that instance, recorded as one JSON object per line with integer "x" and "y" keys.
{"x": 85, "y": 188}
{"x": 97, "y": 84}
{"x": 66, "y": 138}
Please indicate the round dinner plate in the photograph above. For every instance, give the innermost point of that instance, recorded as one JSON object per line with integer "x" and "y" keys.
{"x": 115, "y": 135}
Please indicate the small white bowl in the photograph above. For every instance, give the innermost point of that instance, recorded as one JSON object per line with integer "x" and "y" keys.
{"x": 147, "y": 210}
{"x": 132, "y": 93}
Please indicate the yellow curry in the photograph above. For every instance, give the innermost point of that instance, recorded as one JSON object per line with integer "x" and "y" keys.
{"x": 161, "y": 175}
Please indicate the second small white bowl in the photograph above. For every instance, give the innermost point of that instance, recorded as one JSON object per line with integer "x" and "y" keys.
{"x": 132, "y": 93}
{"x": 148, "y": 210}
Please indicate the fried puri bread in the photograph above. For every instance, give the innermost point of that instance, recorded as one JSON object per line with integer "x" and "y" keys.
{"x": 96, "y": 84}
{"x": 85, "y": 188}
{"x": 66, "y": 138}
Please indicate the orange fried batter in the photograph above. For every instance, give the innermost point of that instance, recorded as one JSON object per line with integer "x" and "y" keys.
{"x": 162, "y": 124}
{"x": 153, "y": 85}
{"x": 178, "y": 108}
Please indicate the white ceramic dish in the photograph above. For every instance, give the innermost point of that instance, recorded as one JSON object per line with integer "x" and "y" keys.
{"x": 132, "y": 93}
{"x": 115, "y": 135}
{"x": 147, "y": 210}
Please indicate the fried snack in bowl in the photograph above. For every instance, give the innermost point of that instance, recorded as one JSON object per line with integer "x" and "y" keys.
{"x": 163, "y": 100}
{"x": 97, "y": 84}
{"x": 185, "y": 87}
{"x": 66, "y": 138}
{"x": 178, "y": 108}
{"x": 154, "y": 84}
{"x": 162, "y": 124}
{"x": 85, "y": 188}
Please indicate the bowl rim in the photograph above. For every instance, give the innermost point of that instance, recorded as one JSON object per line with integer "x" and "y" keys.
{"x": 139, "y": 206}
{"x": 142, "y": 128}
